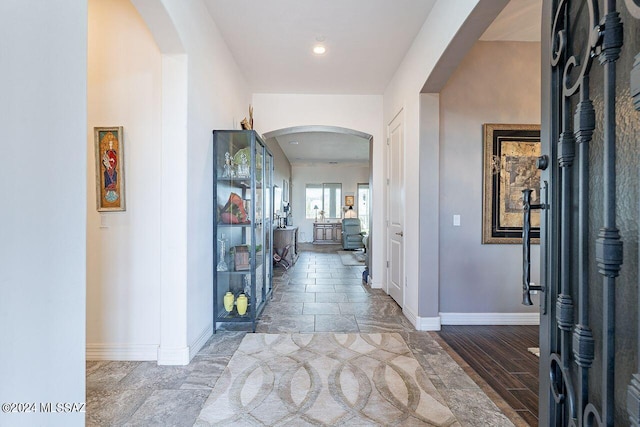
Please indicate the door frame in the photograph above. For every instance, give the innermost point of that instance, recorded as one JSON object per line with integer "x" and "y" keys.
{"x": 400, "y": 113}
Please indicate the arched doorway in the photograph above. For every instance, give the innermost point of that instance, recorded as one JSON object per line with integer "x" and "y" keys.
{"x": 333, "y": 146}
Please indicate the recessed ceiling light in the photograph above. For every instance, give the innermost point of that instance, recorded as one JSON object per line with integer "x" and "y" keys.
{"x": 319, "y": 49}
{"x": 293, "y": 142}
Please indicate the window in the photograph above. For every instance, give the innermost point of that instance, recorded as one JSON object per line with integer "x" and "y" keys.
{"x": 313, "y": 199}
{"x": 327, "y": 197}
{"x": 363, "y": 206}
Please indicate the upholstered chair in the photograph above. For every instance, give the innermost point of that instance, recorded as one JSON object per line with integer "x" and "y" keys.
{"x": 352, "y": 234}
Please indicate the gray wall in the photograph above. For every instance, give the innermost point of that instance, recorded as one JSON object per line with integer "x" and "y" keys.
{"x": 497, "y": 82}
{"x": 429, "y": 213}
{"x": 282, "y": 167}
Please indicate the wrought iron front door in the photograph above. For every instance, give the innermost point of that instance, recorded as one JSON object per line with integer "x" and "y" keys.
{"x": 590, "y": 133}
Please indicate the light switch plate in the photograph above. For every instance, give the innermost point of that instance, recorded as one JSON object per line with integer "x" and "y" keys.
{"x": 456, "y": 220}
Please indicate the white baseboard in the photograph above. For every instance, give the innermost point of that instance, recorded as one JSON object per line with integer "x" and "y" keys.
{"x": 136, "y": 352}
{"x": 173, "y": 356}
{"x": 375, "y": 285}
{"x": 202, "y": 339}
{"x": 490, "y": 318}
{"x": 422, "y": 323}
{"x": 411, "y": 316}
{"x": 428, "y": 323}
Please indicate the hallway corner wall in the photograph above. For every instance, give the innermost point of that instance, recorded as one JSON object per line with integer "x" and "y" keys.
{"x": 123, "y": 248}
{"x": 218, "y": 98}
{"x": 497, "y": 82}
{"x": 430, "y": 206}
{"x": 141, "y": 308}
{"x": 403, "y": 93}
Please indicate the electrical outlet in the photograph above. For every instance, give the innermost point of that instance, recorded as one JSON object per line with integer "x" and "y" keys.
{"x": 456, "y": 220}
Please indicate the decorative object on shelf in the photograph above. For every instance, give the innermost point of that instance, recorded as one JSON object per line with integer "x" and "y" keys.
{"x": 228, "y": 170}
{"x": 243, "y": 156}
{"x": 315, "y": 208}
{"x": 222, "y": 264}
{"x": 241, "y": 257}
{"x": 248, "y": 124}
{"x": 247, "y": 285}
{"x": 109, "y": 152}
{"x": 233, "y": 212}
{"x": 228, "y": 301}
{"x": 321, "y": 216}
{"x": 241, "y": 304}
{"x": 510, "y": 154}
{"x": 242, "y": 164}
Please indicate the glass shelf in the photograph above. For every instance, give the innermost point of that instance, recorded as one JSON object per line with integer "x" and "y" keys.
{"x": 247, "y": 197}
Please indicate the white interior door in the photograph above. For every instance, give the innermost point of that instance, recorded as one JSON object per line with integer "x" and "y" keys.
{"x": 395, "y": 228}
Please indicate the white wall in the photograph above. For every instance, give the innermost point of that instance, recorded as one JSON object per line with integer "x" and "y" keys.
{"x": 123, "y": 248}
{"x": 217, "y": 99}
{"x": 497, "y": 82}
{"x": 347, "y": 175}
{"x": 359, "y": 112}
{"x": 43, "y": 81}
{"x": 173, "y": 82}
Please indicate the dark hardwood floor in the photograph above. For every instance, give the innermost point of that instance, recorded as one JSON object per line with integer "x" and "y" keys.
{"x": 498, "y": 354}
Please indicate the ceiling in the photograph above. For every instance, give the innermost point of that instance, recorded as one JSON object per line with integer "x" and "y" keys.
{"x": 272, "y": 41}
{"x": 314, "y": 148}
{"x": 520, "y": 20}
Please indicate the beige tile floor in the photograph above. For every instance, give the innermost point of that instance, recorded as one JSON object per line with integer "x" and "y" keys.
{"x": 319, "y": 294}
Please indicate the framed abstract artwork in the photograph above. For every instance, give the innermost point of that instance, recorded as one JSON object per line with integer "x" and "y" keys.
{"x": 510, "y": 154}
{"x": 110, "y": 184}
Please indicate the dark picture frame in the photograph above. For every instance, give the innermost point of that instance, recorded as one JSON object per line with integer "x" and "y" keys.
{"x": 509, "y": 166}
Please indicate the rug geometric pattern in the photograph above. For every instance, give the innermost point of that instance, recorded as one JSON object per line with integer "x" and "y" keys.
{"x": 325, "y": 379}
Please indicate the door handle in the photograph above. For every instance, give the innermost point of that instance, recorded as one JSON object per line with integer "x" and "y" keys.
{"x": 526, "y": 248}
{"x": 400, "y": 234}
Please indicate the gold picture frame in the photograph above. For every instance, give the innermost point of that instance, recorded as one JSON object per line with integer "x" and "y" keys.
{"x": 349, "y": 200}
{"x": 110, "y": 184}
{"x": 509, "y": 166}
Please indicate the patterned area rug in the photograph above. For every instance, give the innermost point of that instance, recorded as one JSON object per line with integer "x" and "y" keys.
{"x": 324, "y": 379}
{"x": 351, "y": 257}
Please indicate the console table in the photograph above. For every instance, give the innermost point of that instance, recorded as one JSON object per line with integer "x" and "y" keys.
{"x": 327, "y": 232}
{"x": 283, "y": 237}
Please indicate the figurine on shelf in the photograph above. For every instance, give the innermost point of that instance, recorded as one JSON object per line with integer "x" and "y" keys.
{"x": 248, "y": 124}
{"x": 247, "y": 285}
{"x": 227, "y": 170}
{"x": 222, "y": 264}
{"x": 243, "y": 166}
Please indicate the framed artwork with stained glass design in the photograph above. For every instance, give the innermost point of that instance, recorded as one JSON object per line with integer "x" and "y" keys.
{"x": 109, "y": 152}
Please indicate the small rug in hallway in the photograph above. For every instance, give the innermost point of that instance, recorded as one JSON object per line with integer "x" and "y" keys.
{"x": 534, "y": 350}
{"x": 351, "y": 257}
{"x": 324, "y": 379}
